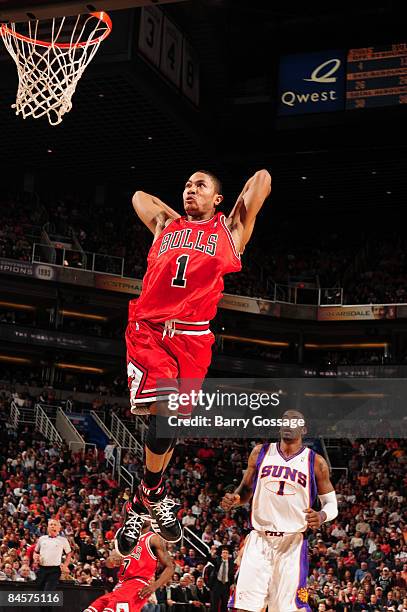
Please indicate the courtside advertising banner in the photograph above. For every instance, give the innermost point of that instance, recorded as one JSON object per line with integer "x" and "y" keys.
{"x": 311, "y": 83}
{"x": 247, "y": 304}
{"x": 117, "y": 283}
{"x": 356, "y": 313}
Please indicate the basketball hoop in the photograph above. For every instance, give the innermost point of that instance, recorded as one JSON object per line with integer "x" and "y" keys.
{"x": 49, "y": 71}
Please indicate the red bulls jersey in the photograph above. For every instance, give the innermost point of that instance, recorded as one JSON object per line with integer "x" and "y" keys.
{"x": 142, "y": 563}
{"x": 186, "y": 265}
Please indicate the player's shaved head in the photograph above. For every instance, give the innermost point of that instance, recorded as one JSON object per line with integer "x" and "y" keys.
{"x": 296, "y": 428}
{"x": 293, "y": 414}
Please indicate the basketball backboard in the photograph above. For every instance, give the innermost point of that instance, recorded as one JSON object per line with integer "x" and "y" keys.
{"x": 23, "y": 10}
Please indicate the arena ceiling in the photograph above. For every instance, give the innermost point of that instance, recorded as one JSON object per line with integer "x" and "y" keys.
{"x": 130, "y": 127}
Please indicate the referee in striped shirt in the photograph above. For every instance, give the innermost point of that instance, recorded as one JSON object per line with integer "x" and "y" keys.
{"x": 50, "y": 549}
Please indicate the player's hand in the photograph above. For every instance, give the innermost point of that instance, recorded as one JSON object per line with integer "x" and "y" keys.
{"x": 229, "y": 501}
{"x": 313, "y": 518}
{"x": 146, "y": 591}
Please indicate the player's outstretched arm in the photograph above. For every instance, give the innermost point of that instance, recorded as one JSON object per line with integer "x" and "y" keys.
{"x": 243, "y": 216}
{"x": 244, "y": 491}
{"x": 152, "y": 211}
{"x": 159, "y": 549}
{"x": 326, "y": 494}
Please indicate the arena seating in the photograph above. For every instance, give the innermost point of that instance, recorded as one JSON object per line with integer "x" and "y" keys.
{"x": 361, "y": 552}
{"x": 368, "y": 274}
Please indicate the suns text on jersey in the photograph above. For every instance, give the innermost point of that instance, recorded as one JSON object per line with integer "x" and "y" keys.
{"x": 180, "y": 239}
{"x": 285, "y": 472}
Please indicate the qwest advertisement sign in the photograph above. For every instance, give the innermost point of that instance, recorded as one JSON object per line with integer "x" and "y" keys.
{"x": 312, "y": 83}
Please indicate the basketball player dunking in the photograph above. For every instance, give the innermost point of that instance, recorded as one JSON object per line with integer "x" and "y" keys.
{"x": 136, "y": 575}
{"x": 168, "y": 335}
{"x": 283, "y": 479}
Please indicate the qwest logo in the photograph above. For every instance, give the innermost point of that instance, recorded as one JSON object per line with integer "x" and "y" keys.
{"x": 316, "y": 77}
{"x": 312, "y": 82}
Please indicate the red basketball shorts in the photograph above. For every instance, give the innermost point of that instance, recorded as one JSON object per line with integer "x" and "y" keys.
{"x": 125, "y": 598}
{"x": 159, "y": 365}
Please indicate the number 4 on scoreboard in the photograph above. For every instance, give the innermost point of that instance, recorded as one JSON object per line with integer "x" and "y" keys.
{"x": 171, "y": 52}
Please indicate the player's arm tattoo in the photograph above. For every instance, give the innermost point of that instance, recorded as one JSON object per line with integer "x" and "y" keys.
{"x": 326, "y": 494}
{"x": 322, "y": 476}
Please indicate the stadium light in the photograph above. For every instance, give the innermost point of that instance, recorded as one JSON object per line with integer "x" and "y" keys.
{"x": 78, "y": 368}
{"x": 82, "y": 315}
{"x": 255, "y": 340}
{"x": 17, "y": 306}
{"x": 11, "y": 359}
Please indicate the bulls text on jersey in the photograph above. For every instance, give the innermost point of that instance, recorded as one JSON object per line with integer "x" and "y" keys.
{"x": 180, "y": 239}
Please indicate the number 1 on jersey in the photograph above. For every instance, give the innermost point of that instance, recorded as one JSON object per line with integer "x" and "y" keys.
{"x": 179, "y": 279}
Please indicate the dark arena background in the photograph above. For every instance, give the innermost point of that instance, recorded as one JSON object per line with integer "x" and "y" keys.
{"x": 317, "y": 95}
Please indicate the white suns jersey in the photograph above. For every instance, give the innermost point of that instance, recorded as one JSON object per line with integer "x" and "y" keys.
{"x": 283, "y": 488}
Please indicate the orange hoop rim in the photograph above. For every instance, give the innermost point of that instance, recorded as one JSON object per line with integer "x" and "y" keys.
{"x": 101, "y": 15}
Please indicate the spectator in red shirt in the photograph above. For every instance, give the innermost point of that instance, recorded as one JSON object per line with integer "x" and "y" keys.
{"x": 205, "y": 454}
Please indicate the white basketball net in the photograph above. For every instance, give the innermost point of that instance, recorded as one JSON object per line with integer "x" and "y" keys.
{"x": 49, "y": 71}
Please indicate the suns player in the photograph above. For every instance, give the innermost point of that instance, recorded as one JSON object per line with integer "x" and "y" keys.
{"x": 282, "y": 479}
{"x": 136, "y": 575}
{"x": 168, "y": 335}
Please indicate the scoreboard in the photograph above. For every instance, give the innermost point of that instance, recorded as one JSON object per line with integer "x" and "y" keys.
{"x": 376, "y": 76}
{"x": 337, "y": 80}
{"x": 163, "y": 44}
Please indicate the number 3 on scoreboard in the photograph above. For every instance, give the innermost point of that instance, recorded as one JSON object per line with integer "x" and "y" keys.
{"x": 179, "y": 279}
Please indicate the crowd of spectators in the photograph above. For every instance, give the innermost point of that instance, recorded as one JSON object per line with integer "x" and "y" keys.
{"x": 358, "y": 562}
{"x": 27, "y": 384}
{"x": 126, "y": 237}
{"x": 382, "y": 273}
{"x": 18, "y": 222}
{"x": 285, "y": 256}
